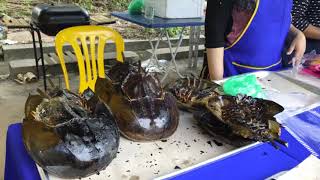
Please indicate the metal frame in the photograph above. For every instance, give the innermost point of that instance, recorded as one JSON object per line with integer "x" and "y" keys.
{"x": 153, "y": 64}
{"x": 194, "y": 43}
{"x": 174, "y": 54}
{"x": 34, "y": 30}
{"x": 39, "y": 55}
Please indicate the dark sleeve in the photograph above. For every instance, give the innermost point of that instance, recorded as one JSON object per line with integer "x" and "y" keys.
{"x": 299, "y": 19}
{"x": 218, "y": 19}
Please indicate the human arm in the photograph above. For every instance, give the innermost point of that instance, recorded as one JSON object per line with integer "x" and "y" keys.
{"x": 215, "y": 63}
{"x": 312, "y": 32}
{"x": 300, "y": 20}
{"x": 218, "y": 17}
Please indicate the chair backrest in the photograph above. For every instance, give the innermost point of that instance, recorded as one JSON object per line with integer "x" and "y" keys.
{"x": 90, "y": 59}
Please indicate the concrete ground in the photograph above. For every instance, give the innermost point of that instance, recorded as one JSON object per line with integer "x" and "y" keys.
{"x": 14, "y": 95}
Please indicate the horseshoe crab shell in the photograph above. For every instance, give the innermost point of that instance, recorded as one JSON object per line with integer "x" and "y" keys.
{"x": 144, "y": 112}
{"x": 239, "y": 117}
{"x": 69, "y": 136}
{"x": 187, "y": 90}
{"x": 248, "y": 117}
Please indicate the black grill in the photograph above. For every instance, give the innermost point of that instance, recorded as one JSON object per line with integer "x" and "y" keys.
{"x": 51, "y": 19}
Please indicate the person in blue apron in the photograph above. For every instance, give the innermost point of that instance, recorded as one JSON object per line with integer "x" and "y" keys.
{"x": 248, "y": 35}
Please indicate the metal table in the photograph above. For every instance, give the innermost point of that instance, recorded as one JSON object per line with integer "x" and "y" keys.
{"x": 163, "y": 24}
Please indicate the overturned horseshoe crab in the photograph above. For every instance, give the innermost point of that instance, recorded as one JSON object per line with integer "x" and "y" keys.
{"x": 235, "y": 117}
{"x": 143, "y": 110}
{"x": 188, "y": 90}
{"x": 67, "y": 135}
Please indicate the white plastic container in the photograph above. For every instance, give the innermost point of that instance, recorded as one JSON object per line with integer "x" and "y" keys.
{"x": 177, "y": 8}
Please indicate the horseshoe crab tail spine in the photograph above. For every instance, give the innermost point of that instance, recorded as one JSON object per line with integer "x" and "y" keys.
{"x": 274, "y": 145}
{"x": 281, "y": 142}
{"x": 43, "y": 94}
{"x": 140, "y": 67}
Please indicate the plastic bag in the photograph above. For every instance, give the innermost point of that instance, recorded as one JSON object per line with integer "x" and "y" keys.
{"x": 310, "y": 65}
{"x": 136, "y": 7}
{"x": 291, "y": 101}
{"x": 244, "y": 84}
{"x": 305, "y": 127}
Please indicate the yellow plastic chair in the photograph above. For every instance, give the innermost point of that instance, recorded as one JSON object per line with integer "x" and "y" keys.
{"x": 90, "y": 62}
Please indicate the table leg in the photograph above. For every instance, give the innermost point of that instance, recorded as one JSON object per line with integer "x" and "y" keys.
{"x": 153, "y": 64}
{"x": 191, "y": 43}
{"x": 173, "y": 54}
{"x": 196, "y": 51}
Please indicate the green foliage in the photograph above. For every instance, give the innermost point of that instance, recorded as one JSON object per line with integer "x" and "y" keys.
{"x": 86, "y": 4}
{"x": 102, "y": 5}
{"x": 118, "y": 5}
{"x": 3, "y": 5}
{"x": 174, "y": 32}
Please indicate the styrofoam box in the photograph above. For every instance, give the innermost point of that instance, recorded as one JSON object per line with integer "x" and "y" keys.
{"x": 177, "y": 8}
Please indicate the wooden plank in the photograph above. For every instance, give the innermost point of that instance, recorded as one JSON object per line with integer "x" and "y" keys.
{"x": 48, "y": 59}
{"x": 54, "y": 57}
{"x": 72, "y": 58}
{"x": 67, "y": 58}
{"x": 100, "y": 19}
{"x": 23, "y": 22}
{"x": 93, "y": 20}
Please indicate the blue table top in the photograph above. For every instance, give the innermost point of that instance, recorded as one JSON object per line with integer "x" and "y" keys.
{"x": 258, "y": 162}
{"x": 158, "y": 22}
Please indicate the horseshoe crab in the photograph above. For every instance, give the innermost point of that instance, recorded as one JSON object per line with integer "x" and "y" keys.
{"x": 67, "y": 135}
{"x": 188, "y": 90}
{"x": 144, "y": 112}
{"x": 235, "y": 117}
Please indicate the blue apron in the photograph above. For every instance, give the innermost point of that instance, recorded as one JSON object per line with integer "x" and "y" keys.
{"x": 259, "y": 46}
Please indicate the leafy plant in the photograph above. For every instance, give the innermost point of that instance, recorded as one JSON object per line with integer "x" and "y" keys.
{"x": 3, "y": 5}
{"x": 119, "y": 5}
{"x": 86, "y": 4}
{"x": 174, "y": 32}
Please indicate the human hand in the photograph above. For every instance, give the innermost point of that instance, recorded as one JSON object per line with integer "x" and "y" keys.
{"x": 299, "y": 46}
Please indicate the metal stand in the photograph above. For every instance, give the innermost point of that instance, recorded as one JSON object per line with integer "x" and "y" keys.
{"x": 37, "y": 58}
{"x": 153, "y": 64}
{"x": 173, "y": 64}
{"x": 194, "y": 43}
{"x": 34, "y": 30}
